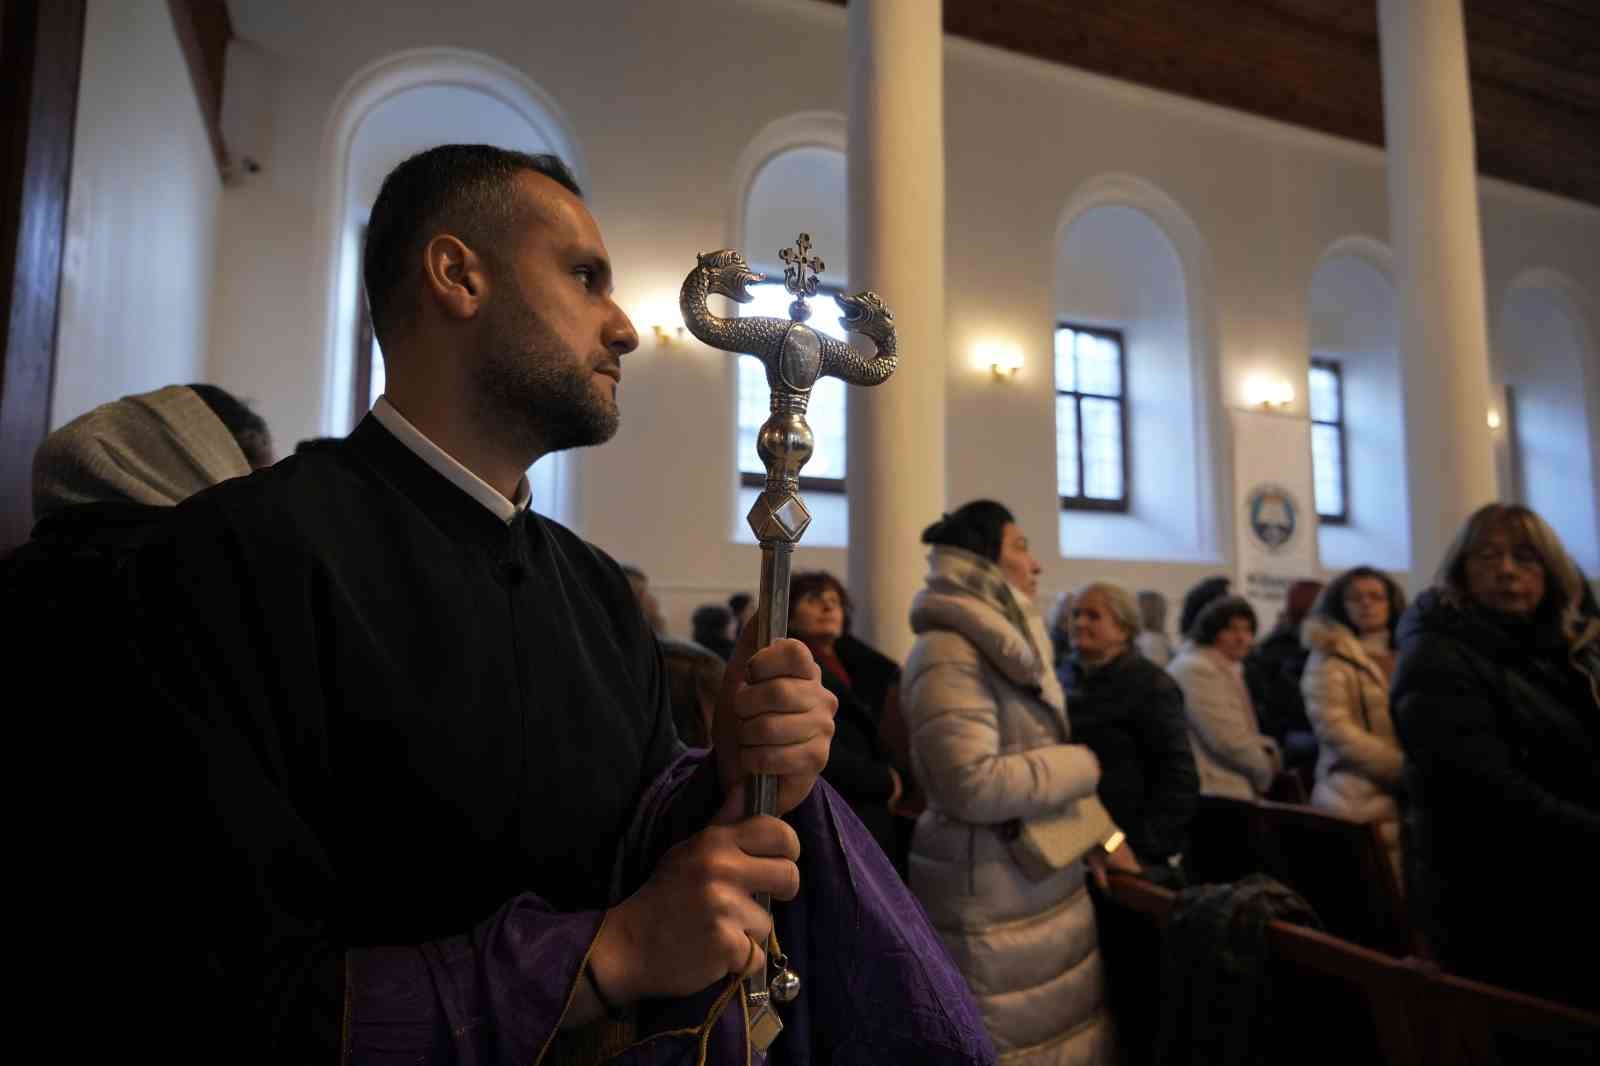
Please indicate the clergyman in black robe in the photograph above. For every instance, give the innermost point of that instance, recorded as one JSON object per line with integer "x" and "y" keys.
{"x": 448, "y": 817}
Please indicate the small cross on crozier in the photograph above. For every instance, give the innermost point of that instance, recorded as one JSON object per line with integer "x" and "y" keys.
{"x": 800, "y": 275}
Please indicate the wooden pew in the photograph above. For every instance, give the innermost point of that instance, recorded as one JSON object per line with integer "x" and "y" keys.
{"x": 1338, "y": 1002}
{"x": 1342, "y": 869}
{"x": 1339, "y": 866}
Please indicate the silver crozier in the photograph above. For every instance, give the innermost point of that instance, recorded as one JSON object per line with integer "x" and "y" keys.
{"x": 794, "y": 355}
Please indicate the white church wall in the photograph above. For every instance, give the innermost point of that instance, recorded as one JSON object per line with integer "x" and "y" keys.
{"x": 1117, "y": 268}
{"x": 1546, "y": 356}
{"x": 667, "y": 98}
{"x": 136, "y": 277}
{"x": 1352, "y": 321}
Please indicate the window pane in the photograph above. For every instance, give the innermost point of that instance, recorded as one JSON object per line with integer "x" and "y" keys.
{"x": 754, "y": 401}
{"x": 1327, "y": 462}
{"x": 826, "y": 412}
{"x": 1102, "y": 449}
{"x": 1066, "y": 378}
{"x": 826, "y": 418}
{"x": 1099, "y": 368}
{"x": 1324, "y": 395}
{"x": 773, "y": 300}
{"x": 1066, "y": 445}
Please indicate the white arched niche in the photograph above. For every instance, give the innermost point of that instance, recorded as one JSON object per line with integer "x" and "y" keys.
{"x": 1352, "y": 318}
{"x": 1547, "y": 356}
{"x": 1128, "y": 258}
{"x": 389, "y": 111}
{"x": 792, "y": 179}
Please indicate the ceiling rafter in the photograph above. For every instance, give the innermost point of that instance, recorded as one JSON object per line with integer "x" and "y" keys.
{"x": 1535, "y": 67}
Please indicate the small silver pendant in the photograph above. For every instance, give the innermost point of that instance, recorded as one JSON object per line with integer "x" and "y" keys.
{"x": 786, "y": 985}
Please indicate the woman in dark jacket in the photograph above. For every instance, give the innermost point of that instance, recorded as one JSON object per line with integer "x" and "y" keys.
{"x": 1496, "y": 700}
{"x": 859, "y": 764}
{"x": 1130, "y": 714}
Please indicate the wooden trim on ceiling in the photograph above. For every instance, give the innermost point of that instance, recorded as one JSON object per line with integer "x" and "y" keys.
{"x": 204, "y": 30}
{"x": 1316, "y": 64}
{"x": 41, "y": 52}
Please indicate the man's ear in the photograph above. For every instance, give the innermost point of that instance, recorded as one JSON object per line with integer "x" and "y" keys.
{"x": 453, "y": 277}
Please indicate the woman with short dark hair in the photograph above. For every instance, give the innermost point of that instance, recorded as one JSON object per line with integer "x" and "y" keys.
{"x": 860, "y": 764}
{"x": 1232, "y": 754}
{"x": 1497, "y": 702}
{"x": 991, "y": 747}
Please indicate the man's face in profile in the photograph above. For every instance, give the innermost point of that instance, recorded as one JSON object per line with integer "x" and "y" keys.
{"x": 553, "y": 337}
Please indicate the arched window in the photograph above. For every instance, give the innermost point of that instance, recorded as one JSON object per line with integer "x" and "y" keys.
{"x": 1548, "y": 359}
{"x": 1358, "y": 435}
{"x": 1132, "y": 404}
{"x": 797, "y": 190}
{"x": 390, "y": 111}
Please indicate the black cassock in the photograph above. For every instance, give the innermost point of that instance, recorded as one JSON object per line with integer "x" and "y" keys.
{"x": 405, "y": 713}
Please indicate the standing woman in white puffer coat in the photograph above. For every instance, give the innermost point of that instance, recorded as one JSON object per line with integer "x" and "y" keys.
{"x": 990, "y": 747}
{"x": 1350, "y": 634}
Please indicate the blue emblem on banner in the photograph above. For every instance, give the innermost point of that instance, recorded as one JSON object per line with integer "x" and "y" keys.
{"x": 1274, "y": 516}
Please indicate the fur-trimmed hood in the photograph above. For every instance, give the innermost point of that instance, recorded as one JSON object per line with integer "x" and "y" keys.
{"x": 967, "y": 593}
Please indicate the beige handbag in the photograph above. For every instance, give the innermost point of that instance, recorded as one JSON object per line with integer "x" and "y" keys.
{"x": 1044, "y": 845}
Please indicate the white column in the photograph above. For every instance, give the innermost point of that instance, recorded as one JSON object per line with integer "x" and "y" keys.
{"x": 1433, "y": 224}
{"x": 896, "y": 430}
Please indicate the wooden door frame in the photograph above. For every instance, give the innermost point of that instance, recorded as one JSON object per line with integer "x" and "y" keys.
{"x": 41, "y": 54}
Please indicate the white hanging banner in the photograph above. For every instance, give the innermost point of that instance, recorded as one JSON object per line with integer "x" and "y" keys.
{"x": 1275, "y": 519}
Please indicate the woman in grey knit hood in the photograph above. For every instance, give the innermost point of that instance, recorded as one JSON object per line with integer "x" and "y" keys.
{"x": 990, "y": 746}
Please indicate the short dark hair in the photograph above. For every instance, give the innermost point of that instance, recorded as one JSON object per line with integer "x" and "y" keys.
{"x": 738, "y": 602}
{"x": 1218, "y": 615}
{"x": 815, "y": 583}
{"x": 467, "y": 188}
{"x": 979, "y": 527}
{"x": 1198, "y": 599}
{"x": 711, "y": 619}
{"x": 248, "y": 428}
{"x": 1330, "y": 603}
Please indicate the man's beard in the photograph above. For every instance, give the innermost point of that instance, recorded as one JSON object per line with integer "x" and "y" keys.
{"x": 533, "y": 387}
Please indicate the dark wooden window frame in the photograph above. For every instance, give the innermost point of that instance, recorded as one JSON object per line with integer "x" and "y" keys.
{"x": 835, "y": 485}
{"x": 1087, "y": 503}
{"x": 1343, "y": 517}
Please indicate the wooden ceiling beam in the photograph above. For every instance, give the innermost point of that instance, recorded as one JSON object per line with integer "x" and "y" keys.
{"x": 1535, "y": 67}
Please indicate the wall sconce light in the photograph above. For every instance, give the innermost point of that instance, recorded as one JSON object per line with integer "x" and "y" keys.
{"x": 1494, "y": 418}
{"x": 662, "y": 317}
{"x": 1267, "y": 394}
{"x": 1003, "y": 360}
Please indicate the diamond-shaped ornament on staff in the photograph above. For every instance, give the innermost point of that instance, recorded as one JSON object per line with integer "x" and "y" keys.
{"x": 778, "y": 516}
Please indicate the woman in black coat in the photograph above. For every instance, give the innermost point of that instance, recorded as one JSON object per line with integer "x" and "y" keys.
{"x": 860, "y": 764}
{"x": 1496, "y": 699}
{"x": 1130, "y": 714}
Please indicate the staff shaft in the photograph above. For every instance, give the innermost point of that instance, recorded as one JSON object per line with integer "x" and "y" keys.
{"x": 772, "y": 624}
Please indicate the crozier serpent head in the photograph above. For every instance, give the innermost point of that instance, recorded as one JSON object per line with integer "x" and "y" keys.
{"x": 727, "y": 274}
{"x": 866, "y": 314}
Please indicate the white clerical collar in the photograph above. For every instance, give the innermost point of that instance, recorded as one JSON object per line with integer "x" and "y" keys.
{"x": 446, "y": 465}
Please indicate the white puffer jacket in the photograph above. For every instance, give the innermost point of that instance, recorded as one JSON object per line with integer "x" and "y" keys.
{"x": 988, "y": 723}
{"x": 1232, "y": 754}
{"x": 1359, "y": 758}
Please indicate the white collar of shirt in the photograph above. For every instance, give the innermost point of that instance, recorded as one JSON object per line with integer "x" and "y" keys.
{"x": 446, "y": 465}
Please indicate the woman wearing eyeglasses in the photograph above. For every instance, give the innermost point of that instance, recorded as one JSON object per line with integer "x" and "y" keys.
{"x": 1497, "y": 703}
